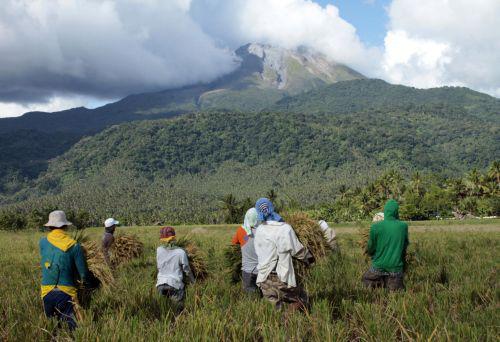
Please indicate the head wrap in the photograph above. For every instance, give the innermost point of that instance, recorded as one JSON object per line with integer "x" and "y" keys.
{"x": 251, "y": 219}
{"x": 167, "y": 234}
{"x": 265, "y": 210}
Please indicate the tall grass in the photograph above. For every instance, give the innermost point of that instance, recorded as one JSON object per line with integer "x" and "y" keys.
{"x": 452, "y": 294}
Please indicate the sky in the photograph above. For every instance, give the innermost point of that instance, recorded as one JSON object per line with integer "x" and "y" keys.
{"x": 59, "y": 54}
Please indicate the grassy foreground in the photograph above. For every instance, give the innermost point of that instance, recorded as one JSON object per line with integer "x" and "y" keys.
{"x": 452, "y": 294}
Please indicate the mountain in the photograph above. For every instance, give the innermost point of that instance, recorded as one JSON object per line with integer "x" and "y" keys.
{"x": 305, "y": 147}
{"x": 265, "y": 75}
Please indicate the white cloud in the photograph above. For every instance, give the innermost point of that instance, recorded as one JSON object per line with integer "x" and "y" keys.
{"x": 54, "y": 104}
{"x": 56, "y": 48}
{"x": 287, "y": 23}
{"x": 64, "y": 52}
{"x": 442, "y": 42}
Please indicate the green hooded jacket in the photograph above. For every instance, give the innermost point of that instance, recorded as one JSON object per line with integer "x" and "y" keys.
{"x": 388, "y": 240}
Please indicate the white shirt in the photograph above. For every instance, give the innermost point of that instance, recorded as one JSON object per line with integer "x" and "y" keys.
{"x": 249, "y": 259}
{"x": 171, "y": 263}
{"x": 275, "y": 244}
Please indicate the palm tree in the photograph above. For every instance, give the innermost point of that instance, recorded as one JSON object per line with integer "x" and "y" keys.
{"x": 494, "y": 171}
{"x": 343, "y": 191}
{"x": 416, "y": 184}
{"x": 229, "y": 205}
{"x": 272, "y": 195}
{"x": 473, "y": 182}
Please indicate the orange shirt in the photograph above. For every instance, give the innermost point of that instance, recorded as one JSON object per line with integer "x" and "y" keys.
{"x": 240, "y": 237}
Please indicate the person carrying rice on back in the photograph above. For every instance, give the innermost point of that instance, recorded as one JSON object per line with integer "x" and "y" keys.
{"x": 276, "y": 244}
{"x": 62, "y": 262}
{"x": 172, "y": 263}
{"x": 108, "y": 238}
{"x": 387, "y": 246}
{"x": 244, "y": 237}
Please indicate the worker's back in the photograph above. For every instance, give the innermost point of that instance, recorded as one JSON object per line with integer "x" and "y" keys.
{"x": 389, "y": 240}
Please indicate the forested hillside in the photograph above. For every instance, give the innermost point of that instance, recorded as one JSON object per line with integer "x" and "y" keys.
{"x": 264, "y": 75}
{"x": 179, "y": 169}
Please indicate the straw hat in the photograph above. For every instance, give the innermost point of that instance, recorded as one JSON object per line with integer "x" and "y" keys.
{"x": 57, "y": 219}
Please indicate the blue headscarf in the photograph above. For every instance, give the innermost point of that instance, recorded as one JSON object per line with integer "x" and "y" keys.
{"x": 265, "y": 210}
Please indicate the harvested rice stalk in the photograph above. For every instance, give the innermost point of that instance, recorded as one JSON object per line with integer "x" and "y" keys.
{"x": 308, "y": 232}
{"x": 196, "y": 258}
{"x": 232, "y": 261}
{"x": 100, "y": 273}
{"x": 310, "y": 235}
{"x": 125, "y": 248}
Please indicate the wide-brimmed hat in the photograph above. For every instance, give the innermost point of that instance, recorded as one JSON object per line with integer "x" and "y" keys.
{"x": 110, "y": 222}
{"x": 57, "y": 219}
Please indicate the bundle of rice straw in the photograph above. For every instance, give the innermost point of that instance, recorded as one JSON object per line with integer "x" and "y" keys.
{"x": 125, "y": 248}
{"x": 196, "y": 258}
{"x": 309, "y": 234}
{"x": 232, "y": 262}
{"x": 100, "y": 273}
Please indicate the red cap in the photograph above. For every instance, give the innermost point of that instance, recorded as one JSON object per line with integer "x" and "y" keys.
{"x": 167, "y": 232}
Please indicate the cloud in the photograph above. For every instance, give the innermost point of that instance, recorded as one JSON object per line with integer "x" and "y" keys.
{"x": 105, "y": 49}
{"x": 55, "y": 53}
{"x": 439, "y": 42}
{"x": 287, "y": 23}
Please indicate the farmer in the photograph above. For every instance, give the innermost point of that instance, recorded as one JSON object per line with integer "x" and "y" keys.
{"x": 387, "y": 247}
{"x": 244, "y": 237}
{"x": 172, "y": 263}
{"x": 276, "y": 244}
{"x": 62, "y": 261}
{"x": 330, "y": 236}
{"x": 108, "y": 238}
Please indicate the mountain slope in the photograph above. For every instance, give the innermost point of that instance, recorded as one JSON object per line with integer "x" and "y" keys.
{"x": 265, "y": 75}
{"x": 180, "y": 167}
{"x": 359, "y": 95}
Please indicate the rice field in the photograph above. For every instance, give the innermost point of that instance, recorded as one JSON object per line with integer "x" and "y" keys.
{"x": 452, "y": 293}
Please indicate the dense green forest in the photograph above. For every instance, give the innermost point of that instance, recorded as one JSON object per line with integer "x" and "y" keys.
{"x": 181, "y": 169}
{"x": 189, "y": 199}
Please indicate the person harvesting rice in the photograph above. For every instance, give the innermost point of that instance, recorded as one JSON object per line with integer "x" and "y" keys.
{"x": 108, "y": 238}
{"x": 387, "y": 244}
{"x": 276, "y": 244}
{"x": 244, "y": 237}
{"x": 62, "y": 261}
{"x": 172, "y": 263}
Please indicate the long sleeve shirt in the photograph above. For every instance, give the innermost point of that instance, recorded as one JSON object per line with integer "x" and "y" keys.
{"x": 107, "y": 242}
{"x": 172, "y": 263}
{"x": 249, "y": 259}
{"x": 275, "y": 244}
{"x": 62, "y": 262}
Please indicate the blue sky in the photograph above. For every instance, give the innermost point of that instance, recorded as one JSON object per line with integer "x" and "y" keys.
{"x": 369, "y": 17}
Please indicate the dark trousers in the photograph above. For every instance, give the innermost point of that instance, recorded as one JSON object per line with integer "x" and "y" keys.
{"x": 374, "y": 278}
{"x": 58, "y": 304}
{"x": 249, "y": 282}
{"x": 175, "y": 295}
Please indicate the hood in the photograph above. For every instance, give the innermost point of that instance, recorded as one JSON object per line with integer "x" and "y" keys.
{"x": 391, "y": 210}
{"x": 60, "y": 239}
